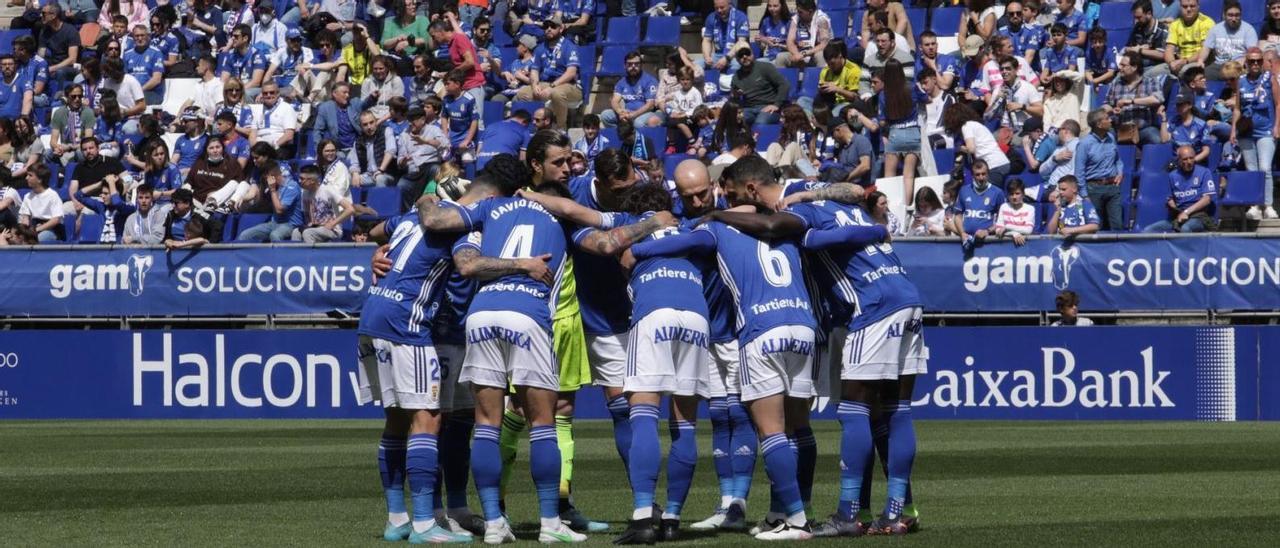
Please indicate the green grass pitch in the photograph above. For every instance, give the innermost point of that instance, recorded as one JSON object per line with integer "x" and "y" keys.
{"x": 315, "y": 483}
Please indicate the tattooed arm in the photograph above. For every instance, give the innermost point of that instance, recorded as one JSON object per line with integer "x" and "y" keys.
{"x": 441, "y": 217}
{"x": 845, "y": 193}
{"x": 472, "y": 264}
{"x": 612, "y": 242}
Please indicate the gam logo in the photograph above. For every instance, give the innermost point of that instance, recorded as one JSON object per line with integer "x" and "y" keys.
{"x": 65, "y": 279}
{"x": 1055, "y": 268}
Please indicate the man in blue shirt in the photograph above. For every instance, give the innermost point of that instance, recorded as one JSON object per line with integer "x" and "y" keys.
{"x": 556, "y": 73}
{"x": 634, "y": 98}
{"x": 243, "y": 61}
{"x": 1191, "y": 194}
{"x": 1098, "y": 165}
{"x": 286, "y": 207}
{"x": 509, "y": 136}
{"x": 724, "y": 32}
{"x": 33, "y": 68}
{"x": 15, "y": 91}
{"x": 946, "y": 66}
{"x": 1074, "y": 214}
{"x": 1026, "y": 37}
{"x": 146, "y": 64}
{"x": 977, "y": 205}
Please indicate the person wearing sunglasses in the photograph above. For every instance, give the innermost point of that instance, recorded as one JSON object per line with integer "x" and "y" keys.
{"x": 68, "y": 124}
{"x": 243, "y": 62}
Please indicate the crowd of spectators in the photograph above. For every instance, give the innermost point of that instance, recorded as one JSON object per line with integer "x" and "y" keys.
{"x": 290, "y": 113}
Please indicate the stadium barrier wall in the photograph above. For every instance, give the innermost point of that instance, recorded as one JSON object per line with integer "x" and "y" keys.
{"x": 1143, "y": 373}
{"x": 1111, "y": 273}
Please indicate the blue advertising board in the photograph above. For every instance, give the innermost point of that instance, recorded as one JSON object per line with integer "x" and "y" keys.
{"x": 1098, "y": 373}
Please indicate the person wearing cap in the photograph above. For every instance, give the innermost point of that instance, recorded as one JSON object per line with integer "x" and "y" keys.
{"x": 724, "y": 32}
{"x": 269, "y": 34}
{"x": 522, "y": 71}
{"x": 1192, "y": 191}
{"x": 283, "y": 63}
{"x": 191, "y": 143}
{"x": 184, "y": 227}
{"x": 243, "y": 62}
{"x": 1148, "y": 38}
{"x": 1133, "y": 99}
{"x": 1187, "y": 36}
{"x": 634, "y": 99}
{"x": 557, "y": 73}
{"x": 759, "y": 89}
{"x": 69, "y": 123}
{"x": 1187, "y": 130}
{"x": 1227, "y": 41}
{"x": 946, "y": 67}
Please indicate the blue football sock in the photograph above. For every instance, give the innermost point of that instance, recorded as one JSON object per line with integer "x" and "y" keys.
{"x": 806, "y": 461}
{"x": 391, "y": 457}
{"x": 420, "y": 464}
{"x": 621, "y": 427}
{"x": 880, "y": 439}
{"x": 455, "y": 457}
{"x": 544, "y": 462}
{"x": 744, "y": 445}
{"x": 680, "y": 464}
{"x": 486, "y": 466}
{"x": 722, "y": 445}
{"x": 437, "y": 489}
{"x": 780, "y": 465}
{"x": 855, "y": 454}
{"x": 646, "y": 454}
{"x": 902, "y": 453}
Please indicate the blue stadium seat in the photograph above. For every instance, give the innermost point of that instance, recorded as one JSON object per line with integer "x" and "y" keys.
{"x": 611, "y": 62}
{"x": 1129, "y": 169}
{"x": 493, "y": 112}
{"x": 1153, "y": 192}
{"x": 383, "y": 199}
{"x": 829, "y": 5}
{"x": 1213, "y": 8}
{"x": 855, "y": 28}
{"x": 501, "y": 38}
{"x": 1117, "y": 39}
{"x": 1118, "y": 16}
{"x": 66, "y": 176}
{"x": 8, "y": 36}
{"x": 766, "y": 135}
{"x": 662, "y": 31}
{"x": 1099, "y": 94}
{"x": 508, "y": 56}
{"x": 622, "y": 31}
{"x": 839, "y": 21}
{"x": 90, "y": 231}
{"x": 527, "y": 106}
{"x": 671, "y": 161}
{"x": 917, "y": 18}
{"x": 229, "y": 228}
{"x": 659, "y": 137}
{"x": 245, "y": 222}
{"x": 611, "y": 134}
{"x": 809, "y": 86}
{"x": 1156, "y": 157}
{"x": 944, "y": 158}
{"x": 946, "y": 21}
{"x": 1243, "y": 188}
{"x": 792, "y": 75}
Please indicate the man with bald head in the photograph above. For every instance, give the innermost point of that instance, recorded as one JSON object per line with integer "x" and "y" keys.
{"x": 1191, "y": 193}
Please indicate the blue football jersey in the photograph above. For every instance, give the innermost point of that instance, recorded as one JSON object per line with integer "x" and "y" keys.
{"x": 866, "y": 284}
{"x": 515, "y": 228}
{"x": 661, "y": 282}
{"x": 979, "y": 209}
{"x": 721, "y": 319}
{"x": 601, "y": 283}
{"x": 451, "y": 322}
{"x": 402, "y": 306}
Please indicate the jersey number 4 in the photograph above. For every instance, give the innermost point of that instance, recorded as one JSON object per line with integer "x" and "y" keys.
{"x": 519, "y": 243}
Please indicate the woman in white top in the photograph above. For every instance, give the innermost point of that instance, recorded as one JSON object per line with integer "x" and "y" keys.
{"x": 930, "y": 217}
{"x": 809, "y": 33}
{"x": 979, "y": 18}
{"x": 879, "y": 209}
{"x": 976, "y": 140}
{"x": 333, "y": 171}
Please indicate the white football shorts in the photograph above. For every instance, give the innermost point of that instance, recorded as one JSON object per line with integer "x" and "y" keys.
{"x": 778, "y": 361}
{"x": 401, "y": 375}
{"x": 722, "y": 374}
{"x": 607, "y": 355}
{"x": 667, "y": 353}
{"x": 509, "y": 346}
{"x": 887, "y": 349}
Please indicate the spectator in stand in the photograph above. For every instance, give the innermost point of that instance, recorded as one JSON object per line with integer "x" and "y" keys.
{"x": 578, "y": 17}
{"x": 28, "y": 149}
{"x": 1074, "y": 215}
{"x": 372, "y": 159}
{"x": 895, "y": 18}
{"x": 303, "y": 9}
{"x": 33, "y": 69}
{"x": 60, "y": 43}
{"x": 286, "y": 209}
{"x": 977, "y": 141}
{"x": 854, "y": 158}
{"x": 462, "y": 53}
{"x": 422, "y": 83}
{"x": 209, "y": 90}
{"x": 129, "y": 93}
{"x": 93, "y": 170}
{"x": 345, "y": 13}
{"x": 1060, "y": 55}
{"x": 216, "y": 180}
{"x": 837, "y": 85}
{"x": 324, "y": 210}
{"x": 641, "y": 148}
{"x": 543, "y": 119}
{"x": 724, "y": 33}
{"x": 797, "y": 144}
{"x": 1016, "y": 218}
{"x": 338, "y": 118}
{"x": 243, "y": 62}
{"x": 110, "y": 125}
{"x": 1011, "y": 105}
{"x": 418, "y": 151}
{"x": 669, "y": 76}
{"x": 316, "y": 77}
{"x": 877, "y": 206}
{"x": 70, "y": 123}
{"x": 160, "y": 174}
{"x": 1187, "y": 36}
{"x": 1133, "y": 100}
{"x": 1148, "y": 38}
{"x": 381, "y": 86}
{"x": 184, "y": 227}
{"x": 509, "y": 136}
{"x": 1074, "y": 22}
{"x": 1227, "y": 41}
{"x": 887, "y": 46}
{"x": 759, "y": 89}
{"x": 1269, "y": 34}
{"x": 527, "y": 17}
{"x": 592, "y": 142}
{"x": 403, "y": 35}
{"x": 1191, "y": 194}
{"x": 268, "y": 34}
{"x": 134, "y": 10}
{"x": 557, "y": 74}
{"x": 15, "y": 91}
{"x": 807, "y": 37}
{"x": 357, "y": 56}
{"x": 1256, "y": 127}
{"x": 106, "y": 203}
{"x": 930, "y": 217}
{"x": 682, "y": 128}
{"x": 203, "y": 22}
{"x": 145, "y": 226}
{"x": 1186, "y": 130}
{"x": 276, "y": 122}
{"x": 977, "y": 205}
{"x": 772, "y": 31}
{"x": 740, "y": 145}
{"x": 1068, "y": 305}
{"x": 234, "y": 145}
{"x": 944, "y": 66}
{"x": 1027, "y": 38}
{"x": 928, "y": 94}
{"x": 1099, "y": 62}
{"x": 333, "y": 169}
{"x": 1066, "y": 94}
{"x": 488, "y": 54}
{"x": 979, "y": 18}
{"x": 1097, "y": 160}
{"x": 42, "y": 208}
{"x": 79, "y": 11}
{"x": 1208, "y": 106}
{"x": 992, "y": 78}
{"x": 460, "y": 120}
{"x": 523, "y": 70}
{"x": 897, "y": 123}
{"x": 1061, "y": 160}
{"x": 635, "y": 96}
{"x": 10, "y": 202}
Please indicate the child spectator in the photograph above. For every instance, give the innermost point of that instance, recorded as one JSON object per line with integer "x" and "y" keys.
{"x": 1068, "y": 305}
{"x": 1099, "y": 63}
{"x": 592, "y": 142}
{"x": 680, "y": 108}
{"x": 1016, "y": 218}
{"x": 42, "y": 208}
{"x": 520, "y": 73}
{"x": 930, "y": 217}
{"x": 460, "y": 120}
{"x": 325, "y": 210}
